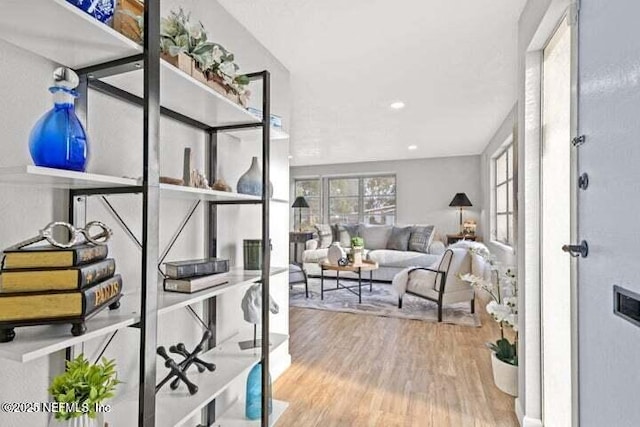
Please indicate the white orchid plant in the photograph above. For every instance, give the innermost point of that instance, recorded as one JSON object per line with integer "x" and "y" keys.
{"x": 502, "y": 288}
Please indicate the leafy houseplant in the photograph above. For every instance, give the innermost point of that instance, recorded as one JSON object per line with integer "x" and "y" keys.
{"x": 503, "y": 308}
{"x": 213, "y": 64}
{"x": 357, "y": 242}
{"x": 82, "y": 388}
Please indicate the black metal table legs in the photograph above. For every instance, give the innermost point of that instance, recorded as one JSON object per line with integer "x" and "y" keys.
{"x": 340, "y": 286}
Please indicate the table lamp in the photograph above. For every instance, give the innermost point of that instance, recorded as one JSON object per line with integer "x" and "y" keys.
{"x": 300, "y": 202}
{"x": 460, "y": 200}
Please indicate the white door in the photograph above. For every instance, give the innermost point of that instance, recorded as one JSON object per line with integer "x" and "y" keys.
{"x": 609, "y": 117}
{"x": 556, "y": 226}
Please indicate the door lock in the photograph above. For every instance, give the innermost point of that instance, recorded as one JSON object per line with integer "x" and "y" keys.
{"x": 583, "y": 181}
{"x": 577, "y": 250}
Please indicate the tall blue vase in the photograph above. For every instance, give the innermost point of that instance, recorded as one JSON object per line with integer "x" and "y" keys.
{"x": 251, "y": 181}
{"x": 58, "y": 139}
{"x": 253, "y": 401}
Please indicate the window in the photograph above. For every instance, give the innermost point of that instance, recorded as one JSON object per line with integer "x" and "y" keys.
{"x": 504, "y": 197}
{"x": 311, "y": 190}
{"x": 368, "y": 199}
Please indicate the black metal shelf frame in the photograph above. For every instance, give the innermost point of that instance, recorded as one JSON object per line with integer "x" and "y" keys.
{"x": 149, "y": 61}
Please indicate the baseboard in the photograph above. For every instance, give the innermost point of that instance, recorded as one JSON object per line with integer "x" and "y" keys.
{"x": 279, "y": 365}
{"x": 518, "y": 408}
{"x": 531, "y": 422}
{"x": 524, "y": 420}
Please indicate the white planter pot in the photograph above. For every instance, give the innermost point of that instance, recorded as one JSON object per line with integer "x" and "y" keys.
{"x": 357, "y": 255}
{"x": 335, "y": 253}
{"x": 83, "y": 421}
{"x": 505, "y": 376}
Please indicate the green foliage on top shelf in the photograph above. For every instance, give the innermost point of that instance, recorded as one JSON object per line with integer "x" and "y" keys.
{"x": 179, "y": 35}
{"x": 84, "y": 384}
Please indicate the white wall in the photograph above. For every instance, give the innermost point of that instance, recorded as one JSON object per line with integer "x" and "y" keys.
{"x": 115, "y": 132}
{"x": 425, "y": 187}
{"x": 504, "y": 254}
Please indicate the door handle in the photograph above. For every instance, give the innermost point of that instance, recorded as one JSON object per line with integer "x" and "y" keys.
{"x": 577, "y": 250}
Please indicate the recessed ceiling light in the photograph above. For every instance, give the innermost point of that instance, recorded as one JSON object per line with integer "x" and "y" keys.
{"x": 412, "y": 147}
{"x": 398, "y": 105}
{"x": 290, "y": 157}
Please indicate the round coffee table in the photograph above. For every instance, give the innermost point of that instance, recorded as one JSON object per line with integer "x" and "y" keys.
{"x": 366, "y": 265}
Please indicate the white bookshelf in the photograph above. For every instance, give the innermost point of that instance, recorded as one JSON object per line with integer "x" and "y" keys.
{"x": 60, "y": 178}
{"x": 182, "y": 93}
{"x": 33, "y": 342}
{"x": 175, "y": 407}
{"x": 59, "y": 31}
{"x": 235, "y": 415}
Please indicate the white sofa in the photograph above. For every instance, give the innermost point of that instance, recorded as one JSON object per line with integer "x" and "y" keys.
{"x": 375, "y": 238}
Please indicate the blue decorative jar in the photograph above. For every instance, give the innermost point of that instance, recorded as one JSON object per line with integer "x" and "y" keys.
{"x": 101, "y": 10}
{"x": 251, "y": 181}
{"x": 253, "y": 402}
{"x": 58, "y": 139}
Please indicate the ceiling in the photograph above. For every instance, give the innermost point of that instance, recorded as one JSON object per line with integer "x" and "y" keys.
{"x": 453, "y": 64}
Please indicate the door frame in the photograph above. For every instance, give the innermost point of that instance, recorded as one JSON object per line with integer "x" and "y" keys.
{"x": 546, "y": 18}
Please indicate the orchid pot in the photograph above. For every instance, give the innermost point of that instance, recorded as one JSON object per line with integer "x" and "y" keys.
{"x": 505, "y": 375}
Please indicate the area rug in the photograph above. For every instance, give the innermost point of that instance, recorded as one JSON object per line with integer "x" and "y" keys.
{"x": 381, "y": 301}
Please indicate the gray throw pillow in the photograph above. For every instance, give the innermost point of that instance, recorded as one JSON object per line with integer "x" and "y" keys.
{"x": 399, "y": 239}
{"x": 343, "y": 233}
{"x": 375, "y": 236}
{"x": 324, "y": 235}
{"x": 421, "y": 237}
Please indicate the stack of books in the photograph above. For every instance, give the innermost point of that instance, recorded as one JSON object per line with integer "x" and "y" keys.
{"x": 195, "y": 275}
{"x": 45, "y": 284}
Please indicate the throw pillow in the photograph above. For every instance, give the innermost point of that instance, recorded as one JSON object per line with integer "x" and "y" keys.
{"x": 421, "y": 237}
{"x": 343, "y": 233}
{"x": 399, "y": 239}
{"x": 375, "y": 236}
{"x": 324, "y": 235}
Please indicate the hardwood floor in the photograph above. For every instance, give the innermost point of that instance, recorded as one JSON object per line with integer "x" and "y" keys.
{"x": 358, "y": 370}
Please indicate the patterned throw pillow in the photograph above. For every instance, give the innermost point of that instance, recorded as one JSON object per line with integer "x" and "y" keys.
{"x": 399, "y": 239}
{"x": 324, "y": 235}
{"x": 344, "y": 232}
{"x": 421, "y": 238}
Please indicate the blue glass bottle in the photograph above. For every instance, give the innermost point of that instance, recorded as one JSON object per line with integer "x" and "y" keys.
{"x": 253, "y": 402}
{"x": 58, "y": 140}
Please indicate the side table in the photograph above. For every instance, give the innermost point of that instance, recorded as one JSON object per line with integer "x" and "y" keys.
{"x": 299, "y": 237}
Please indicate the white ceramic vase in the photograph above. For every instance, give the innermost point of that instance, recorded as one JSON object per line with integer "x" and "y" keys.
{"x": 83, "y": 421}
{"x": 335, "y": 253}
{"x": 251, "y": 181}
{"x": 505, "y": 376}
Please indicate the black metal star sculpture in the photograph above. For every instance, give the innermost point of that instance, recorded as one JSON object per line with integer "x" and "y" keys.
{"x": 179, "y": 370}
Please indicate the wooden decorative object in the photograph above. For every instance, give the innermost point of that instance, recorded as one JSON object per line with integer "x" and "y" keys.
{"x": 124, "y": 20}
{"x": 188, "y": 65}
{"x": 170, "y": 180}
{"x": 182, "y": 61}
{"x": 221, "y": 185}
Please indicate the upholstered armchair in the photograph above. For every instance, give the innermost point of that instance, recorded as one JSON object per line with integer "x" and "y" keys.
{"x": 439, "y": 282}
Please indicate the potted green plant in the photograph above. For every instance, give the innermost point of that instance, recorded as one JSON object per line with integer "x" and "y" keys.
{"x": 502, "y": 289}
{"x": 357, "y": 247}
{"x": 82, "y": 390}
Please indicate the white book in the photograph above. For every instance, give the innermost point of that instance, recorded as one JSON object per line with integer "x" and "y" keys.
{"x": 195, "y": 284}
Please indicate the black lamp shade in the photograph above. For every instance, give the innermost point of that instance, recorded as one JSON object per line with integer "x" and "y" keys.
{"x": 460, "y": 200}
{"x": 300, "y": 202}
